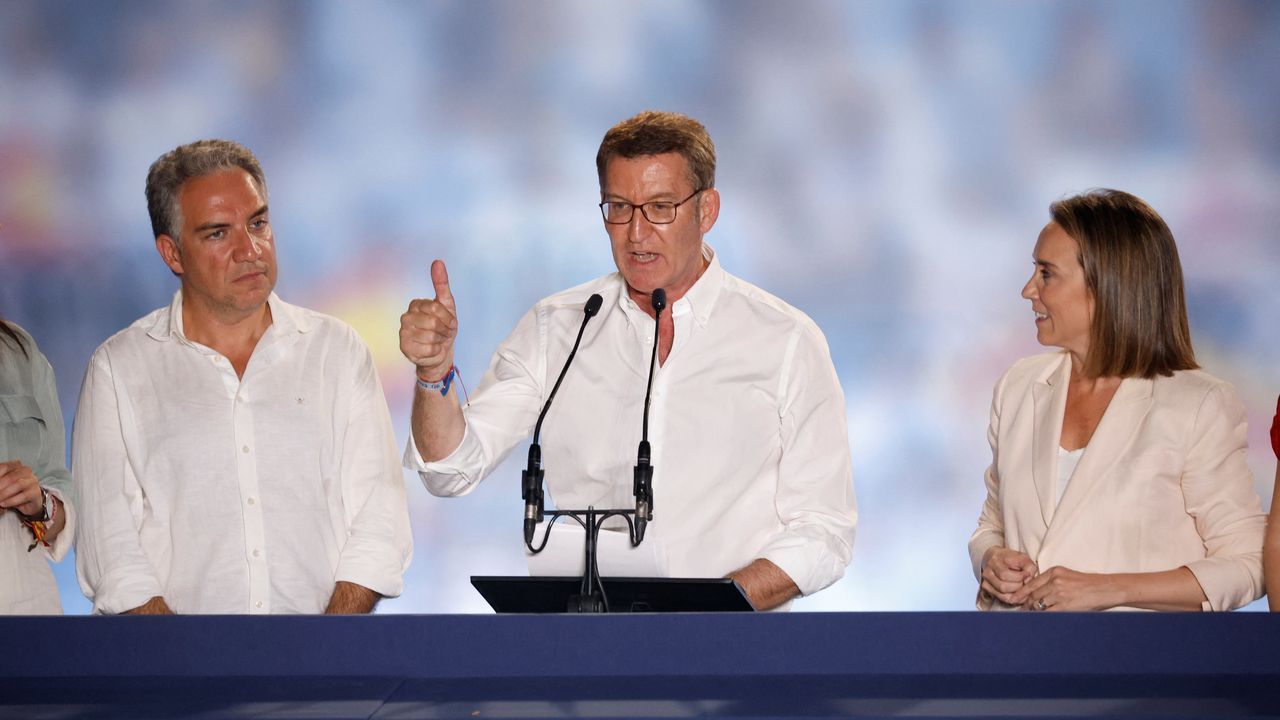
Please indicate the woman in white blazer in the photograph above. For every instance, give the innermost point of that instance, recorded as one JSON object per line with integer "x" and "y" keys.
{"x": 1118, "y": 476}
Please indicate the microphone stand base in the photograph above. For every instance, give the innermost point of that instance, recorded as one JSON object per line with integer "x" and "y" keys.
{"x": 586, "y": 604}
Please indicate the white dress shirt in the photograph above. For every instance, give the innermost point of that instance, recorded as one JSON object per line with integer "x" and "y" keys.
{"x": 236, "y": 495}
{"x": 747, "y": 424}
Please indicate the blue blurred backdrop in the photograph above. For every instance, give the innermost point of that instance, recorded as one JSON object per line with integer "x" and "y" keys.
{"x": 884, "y": 166}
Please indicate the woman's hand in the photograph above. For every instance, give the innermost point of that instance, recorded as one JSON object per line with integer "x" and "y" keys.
{"x": 1005, "y": 572}
{"x": 1060, "y": 588}
{"x": 20, "y": 489}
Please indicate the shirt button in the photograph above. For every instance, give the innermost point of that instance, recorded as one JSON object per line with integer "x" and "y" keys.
{"x": 258, "y": 604}
{"x": 251, "y": 501}
{"x": 245, "y": 449}
{"x": 256, "y": 552}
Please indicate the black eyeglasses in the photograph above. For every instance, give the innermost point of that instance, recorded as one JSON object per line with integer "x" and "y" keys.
{"x": 659, "y": 212}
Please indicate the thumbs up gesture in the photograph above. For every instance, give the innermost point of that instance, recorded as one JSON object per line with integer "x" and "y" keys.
{"x": 428, "y": 328}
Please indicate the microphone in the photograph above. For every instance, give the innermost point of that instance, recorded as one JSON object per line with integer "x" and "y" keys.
{"x": 642, "y": 484}
{"x": 531, "y": 477}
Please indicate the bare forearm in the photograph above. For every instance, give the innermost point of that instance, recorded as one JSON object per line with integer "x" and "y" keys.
{"x": 1171, "y": 590}
{"x": 437, "y": 424}
{"x": 351, "y": 599}
{"x": 765, "y": 584}
{"x": 154, "y": 606}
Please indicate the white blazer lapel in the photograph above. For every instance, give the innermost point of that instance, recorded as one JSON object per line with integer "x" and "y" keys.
{"x": 1050, "y": 395}
{"x": 1111, "y": 440}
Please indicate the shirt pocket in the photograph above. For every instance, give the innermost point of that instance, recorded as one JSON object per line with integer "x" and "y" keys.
{"x": 22, "y": 429}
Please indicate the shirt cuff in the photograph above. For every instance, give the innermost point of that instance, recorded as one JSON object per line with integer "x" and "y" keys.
{"x": 978, "y": 547}
{"x": 62, "y": 544}
{"x": 117, "y": 595}
{"x": 810, "y": 561}
{"x": 1227, "y": 582}
{"x": 383, "y": 575}
{"x": 456, "y": 474}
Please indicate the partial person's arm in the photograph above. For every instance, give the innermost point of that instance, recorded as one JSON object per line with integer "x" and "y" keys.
{"x": 351, "y": 599}
{"x": 1217, "y": 485}
{"x": 428, "y": 330}
{"x": 154, "y": 606}
{"x": 51, "y": 466}
{"x": 1063, "y": 589}
{"x": 21, "y": 485}
{"x": 1001, "y": 571}
{"x": 113, "y": 570}
{"x": 765, "y": 584}
{"x": 501, "y": 413}
{"x": 379, "y": 542}
{"x": 1271, "y": 553}
{"x": 815, "y": 499}
{"x": 989, "y": 536}
{"x": 20, "y": 491}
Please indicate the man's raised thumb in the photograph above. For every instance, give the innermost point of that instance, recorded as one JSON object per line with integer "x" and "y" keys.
{"x": 440, "y": 278}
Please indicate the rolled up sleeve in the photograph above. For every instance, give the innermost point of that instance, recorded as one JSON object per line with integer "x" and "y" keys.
{"x": 111, "y": 566}
{"x": 1218, "y": 488}
{"x": 379, "y": 544}
{"x": 815, "y": 498}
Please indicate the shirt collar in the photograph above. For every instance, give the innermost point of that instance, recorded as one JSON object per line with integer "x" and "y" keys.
{"x": 700, "y": 299}
{"x": 285, "y": 319}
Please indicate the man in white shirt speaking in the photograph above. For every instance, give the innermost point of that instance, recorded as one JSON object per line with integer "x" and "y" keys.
{"x": 750, "y": 453}
{"x": 234, "y": 452}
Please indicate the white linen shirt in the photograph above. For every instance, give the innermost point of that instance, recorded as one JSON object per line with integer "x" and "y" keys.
{"x": 230, "y": 495}
{"x": 747, "y": 424}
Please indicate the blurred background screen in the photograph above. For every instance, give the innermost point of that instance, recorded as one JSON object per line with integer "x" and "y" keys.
{"x": 884, "y": 166}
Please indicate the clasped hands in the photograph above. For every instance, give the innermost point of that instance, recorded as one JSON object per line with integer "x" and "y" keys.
{"x": 1012, "y": 578}
{"x": 20, "y": 489}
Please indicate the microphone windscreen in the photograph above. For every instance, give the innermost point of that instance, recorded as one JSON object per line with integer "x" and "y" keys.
{"x": 593, "y": 305}
{"x": 659, "y": 299}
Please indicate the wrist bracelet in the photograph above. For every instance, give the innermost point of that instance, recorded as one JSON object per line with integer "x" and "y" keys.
{"x": 441, "y": 385}
{"x": 39, "y": 525}
{"x": 44, "y": 515}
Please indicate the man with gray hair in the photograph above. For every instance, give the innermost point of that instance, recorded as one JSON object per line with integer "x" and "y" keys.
{"x": 234, "y": 452}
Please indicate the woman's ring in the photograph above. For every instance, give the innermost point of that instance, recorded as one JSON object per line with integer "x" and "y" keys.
{"x": 1040, "y": 604}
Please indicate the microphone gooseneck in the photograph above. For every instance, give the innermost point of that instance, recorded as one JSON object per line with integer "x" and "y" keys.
{"x": 531, "y": 478}
{"x": 642, "y": 485}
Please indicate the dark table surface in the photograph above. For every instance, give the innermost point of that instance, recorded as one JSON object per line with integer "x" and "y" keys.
{"x": 734, "y": 665}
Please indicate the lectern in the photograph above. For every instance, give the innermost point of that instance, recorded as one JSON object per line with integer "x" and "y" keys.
{"x": 622, "y": 594}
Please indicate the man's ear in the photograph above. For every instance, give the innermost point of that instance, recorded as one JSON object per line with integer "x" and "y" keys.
{"x": 708, "y": 210}
{"x": 170, "y": 253}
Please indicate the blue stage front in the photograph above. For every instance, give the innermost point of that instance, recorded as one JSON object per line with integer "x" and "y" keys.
{"x": 798, "y": 664}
